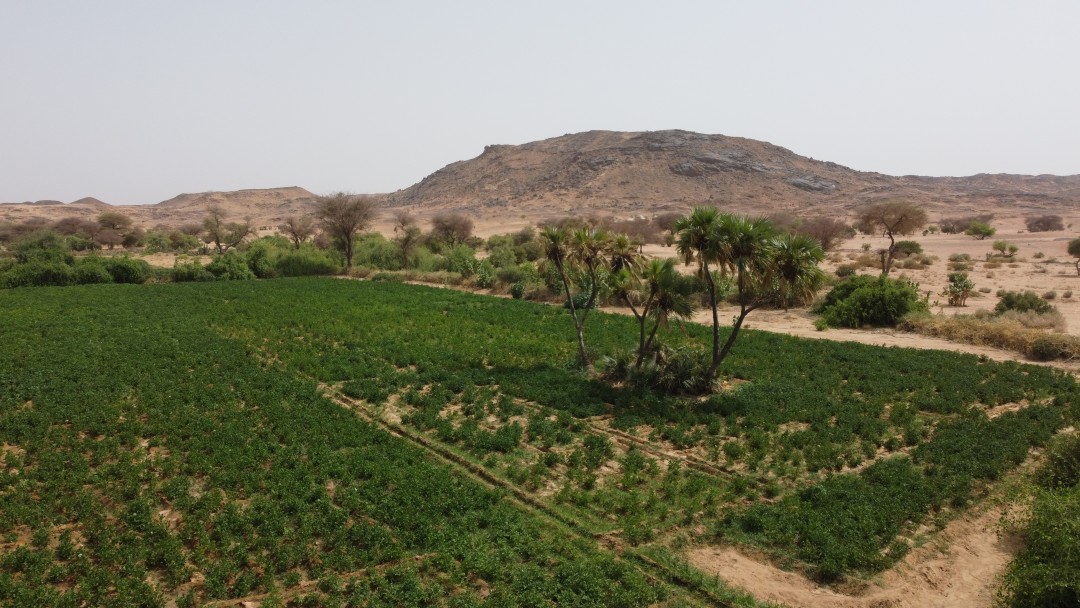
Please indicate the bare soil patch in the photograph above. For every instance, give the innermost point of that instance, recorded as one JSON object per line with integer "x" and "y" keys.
{"x": 960, "y": 568}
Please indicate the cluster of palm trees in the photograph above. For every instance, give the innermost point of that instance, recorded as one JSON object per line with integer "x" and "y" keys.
{"x": 743, "y": 258}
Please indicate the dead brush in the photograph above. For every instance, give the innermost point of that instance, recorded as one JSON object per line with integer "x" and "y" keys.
{"x": 1022, "y": 332}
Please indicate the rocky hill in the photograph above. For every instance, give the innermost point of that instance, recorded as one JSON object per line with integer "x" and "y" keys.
{"x": 627, "y": 173}
{"x": 622, "y": 174}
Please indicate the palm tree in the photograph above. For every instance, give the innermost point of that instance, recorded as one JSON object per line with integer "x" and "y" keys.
{"x": 763, "y": 269}
{"x": 795, "y": 270}
{"x": 670, "y": 294}
{"x": 564, "y": 249}
{"x": 624, "y": 253}
{"x": 697, "y": 241}
{"x": 744, "y": 248}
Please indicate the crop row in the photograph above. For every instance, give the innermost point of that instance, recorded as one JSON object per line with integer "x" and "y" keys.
{"x": 176, "y": 434}
{"x": 148, "y": 456}
{"x": 490, "y": 378}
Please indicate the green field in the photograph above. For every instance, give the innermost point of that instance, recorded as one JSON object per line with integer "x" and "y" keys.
{"x": 330, "y": 442}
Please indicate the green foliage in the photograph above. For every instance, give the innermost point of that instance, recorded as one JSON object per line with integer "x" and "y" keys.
{"x": 42, "y": 246}
{"x": 461, "y": 259}
{"x": 1047, "y": 571}
{"x": 306, "y": 261}
{"x": 1061, "y": 463}
{"x": 128, "y": 270}
{"x": 373, "y": 250}
{"x": 859, "y": 301}
{"x": 959, "y": 288}
{"x": 1022, "y": 302}
{"x": 219, "y": 418}
{"x": 185, "y": 270}
{"x": 581, "y": 301}
{"x": 90, "y": 270}
{"x": 517, "y": 290}
{"x": 230, "y": 266}
{"x": 906, "y": 248}
{"x": 841, "y": 524}
{"x": 163, "y": 407}
{"x": 502, "y": 257}
{"x": 485, "y": 275}
{"x": 38, "y": 273}
{"x": 980, "y": 230}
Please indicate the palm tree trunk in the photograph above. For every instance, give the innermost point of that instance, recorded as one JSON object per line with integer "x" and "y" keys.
{"x": 711, "y": 373}
{"x": 649, "y": 342}
{"x": 715, "y": 314}
{"x": 583, "y": 355}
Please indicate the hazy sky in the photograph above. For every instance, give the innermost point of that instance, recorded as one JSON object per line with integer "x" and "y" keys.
{"x": 137, "y": 101}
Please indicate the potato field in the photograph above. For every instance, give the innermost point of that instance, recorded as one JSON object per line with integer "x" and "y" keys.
{"x": 323, "y": 442}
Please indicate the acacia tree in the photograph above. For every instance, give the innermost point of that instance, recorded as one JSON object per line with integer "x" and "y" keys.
{"x": 298, "y": 229}
{"x": 1074, "y": 251}
{"x": 114, "y": 220}
{"x": 451, "y": 228}
{"x": 891, "y": 218}
{"x": 406, "y": 234}
{"x": 342, "y": 216}
{"x": 76, "y": 226}
{"x": 827, "y": 230}
{"x": 113, "y": 229}
{"x": 980, "y": 230}
{"x": 224, "y": 235}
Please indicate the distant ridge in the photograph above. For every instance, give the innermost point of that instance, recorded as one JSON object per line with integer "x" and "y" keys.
{"x": 623, "y": 174}
{"x": 89, "y": 201}
{"x": 628, "y": 172}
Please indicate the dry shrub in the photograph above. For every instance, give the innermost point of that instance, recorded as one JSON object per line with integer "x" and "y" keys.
{"x": 1052, "y": 321}
{"x": 869, "y": 260}
{"x": 438, "y": 277}
{"x": 1007, "y": 331}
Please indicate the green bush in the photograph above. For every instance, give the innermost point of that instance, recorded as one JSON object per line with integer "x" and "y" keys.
{"x": 876, "y": 301}
{"x": 1061, "y": 468}
{"x": 517, "y": 290}
{"x": 185, "y": 271}
{"x": 511, "y": 275}
{"x": 38, "y": 273}
{"x": 375, "y": 251}
{"x": 42, "y": 246}
{"x": 502, "y": 257}
{"x": 461, "y": 259}
{"x": 846, "y": 270}
{"x": 305, "y": 262}
{"x": 260, "y": 258}
{"x": 81, "y": 243}
{"x": 485, "y": 275}
{"x": 91, "y": 270}
{"x": 1022, "y": 302}
{"x": 230, "y": 266}
{"x": 128, "y": 270}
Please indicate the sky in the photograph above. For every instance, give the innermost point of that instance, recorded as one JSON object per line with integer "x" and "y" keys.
{"x": 137, "y": 101}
